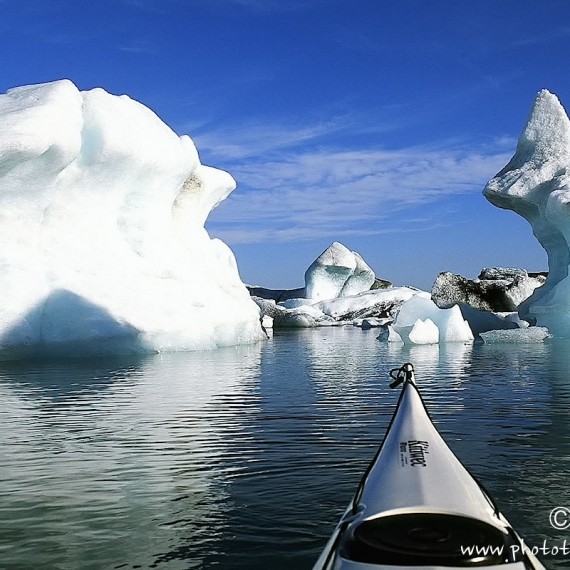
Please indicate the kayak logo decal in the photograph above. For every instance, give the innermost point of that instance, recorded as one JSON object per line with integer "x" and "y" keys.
{"x": 418, "y": 451}
{"x": 414, "y": 453}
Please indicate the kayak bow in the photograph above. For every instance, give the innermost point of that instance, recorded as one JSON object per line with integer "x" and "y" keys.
{"x": 417, "y": 506}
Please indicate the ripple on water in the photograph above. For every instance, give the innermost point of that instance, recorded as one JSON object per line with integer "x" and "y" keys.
{"x": 245, "y": 457}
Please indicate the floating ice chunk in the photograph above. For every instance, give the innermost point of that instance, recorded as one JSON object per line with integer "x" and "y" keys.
{"x": 424, "y": 332}
{"x": 378, "y": 306}
{"x": 300, "y": 316}
{"x": 337, "y": 272}
{"x": 496, "y": 289}
{"x": 449, "y": 322}
{"x": 380, "y": 302}
{"x": 512, "y": 336}
{"x": 102, "y": 239}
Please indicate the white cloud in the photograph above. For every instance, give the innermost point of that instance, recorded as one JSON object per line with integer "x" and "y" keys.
{"x": 263, "y": 138}
{"x": 142, "y": 47}
{"x": 332, "y": 179}
{"x": 292, "y": 194}
{"x": 258, "y": 139}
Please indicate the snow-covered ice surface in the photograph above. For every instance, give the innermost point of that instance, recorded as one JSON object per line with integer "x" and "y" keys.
{"x": 354, "y": 309}
{"x": 350, "y": 308}
{"x": 337, "y": 272}
{"x": 536, "y": 185}
{"x": 102, "y": 239}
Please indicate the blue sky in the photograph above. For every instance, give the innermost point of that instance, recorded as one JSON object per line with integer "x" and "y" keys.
{"x": 368, "y": 122}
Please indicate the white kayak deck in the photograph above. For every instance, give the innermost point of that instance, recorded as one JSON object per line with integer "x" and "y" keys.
{"x": 417, "y": 499}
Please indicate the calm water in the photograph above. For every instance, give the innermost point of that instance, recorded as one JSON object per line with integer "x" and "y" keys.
{"x": 244, "y": 458}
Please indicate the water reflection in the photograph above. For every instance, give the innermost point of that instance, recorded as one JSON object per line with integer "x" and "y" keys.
{"x": 244, "y": 458}
{"x": 548, "y": 377}
{"x": 439, "y": 362}
{"x": 116, "y": 466}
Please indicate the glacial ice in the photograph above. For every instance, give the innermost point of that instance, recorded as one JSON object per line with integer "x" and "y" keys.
{"x": 420, "y": 321}
{"x": 536, "y": 185}
{"x": 102, "y": 239}
{"x": 337, "y": 272}
{"x": 496, "y": 289}
{"x": 482, "y": 321}
{"x": 516, "y": 336}
{"x": 424, "y": 332}
{"x": 382, "y": 301}
{"x": 380, "y": 304}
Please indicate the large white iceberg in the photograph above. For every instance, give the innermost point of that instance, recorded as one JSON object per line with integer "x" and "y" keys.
{"x": 536, "y": 185}
{"x": 102, "y": 239}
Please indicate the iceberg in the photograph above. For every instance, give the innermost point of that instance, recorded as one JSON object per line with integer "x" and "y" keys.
{"x": 337, "y": 272}
{"x": 482, "y": 321}
{"x": 421, "y": 321}
{"x": 379, "y": 305}
{"x": 497, "y": 289}
{"x": 102, "y": 239}
{"x": 340, "y": 288}
{"x": 536, "y": 185}
{"x": 424, "y": 332}
{"x": 516, "y": 336}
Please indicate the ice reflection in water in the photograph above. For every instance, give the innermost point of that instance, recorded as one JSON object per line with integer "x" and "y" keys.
{"x": 244, "y": 458}
{"x": 111, "y": 465}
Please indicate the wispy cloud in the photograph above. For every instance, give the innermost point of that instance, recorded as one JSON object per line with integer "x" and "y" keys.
{"x": 261, "y": 139}
{"x": 294, "y": 184}
{"x": 138, "y": 47}
{"x": 256, "y": 139}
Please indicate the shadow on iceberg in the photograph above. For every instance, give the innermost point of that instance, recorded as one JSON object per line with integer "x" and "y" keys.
{"x": 66, "y": 325}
